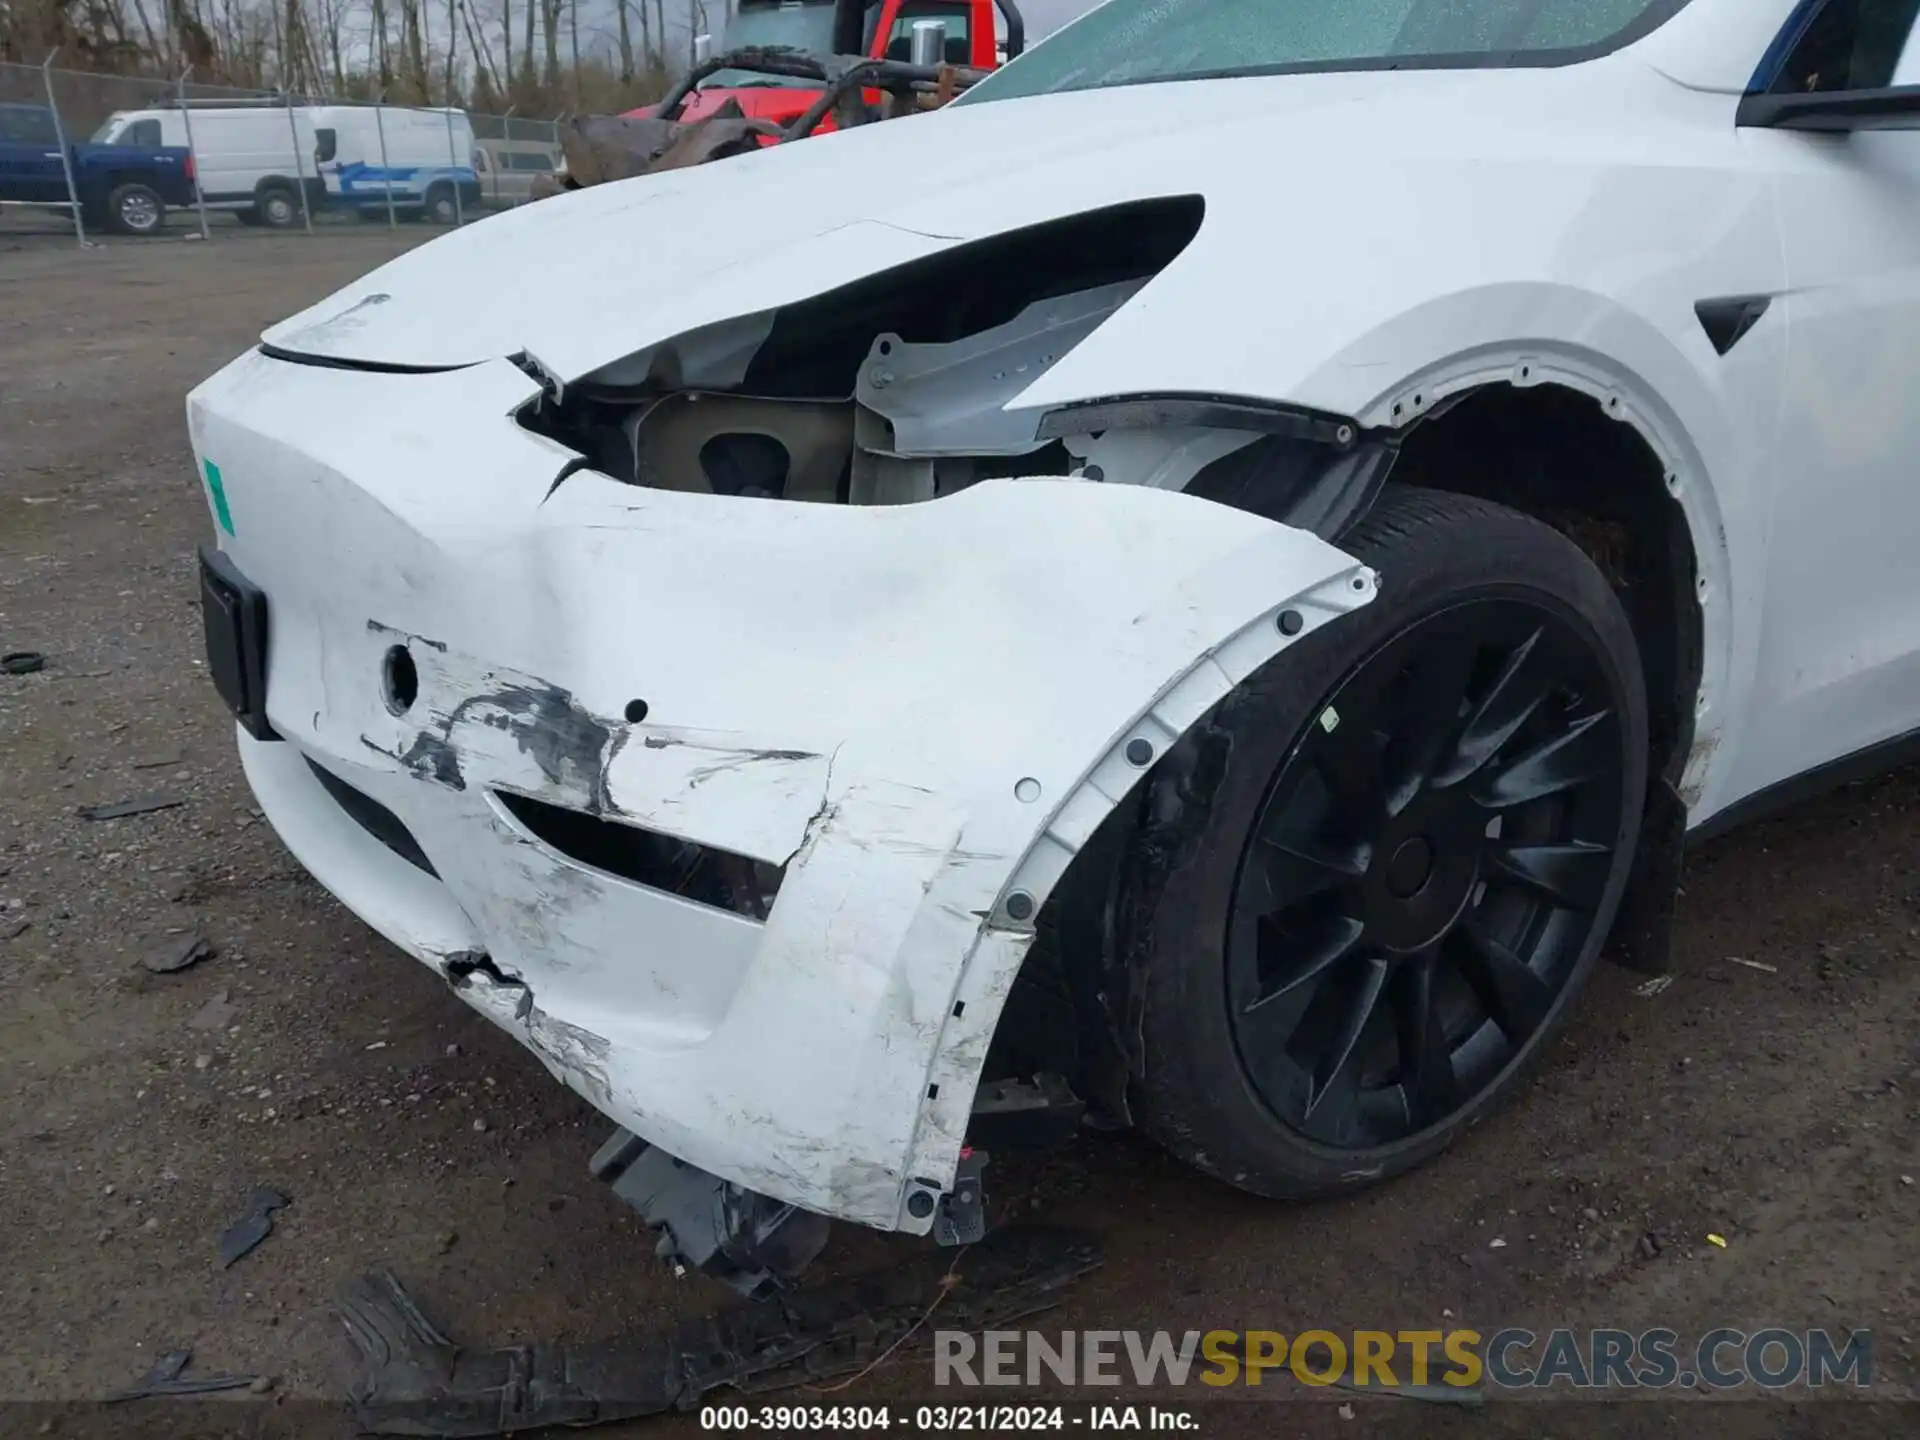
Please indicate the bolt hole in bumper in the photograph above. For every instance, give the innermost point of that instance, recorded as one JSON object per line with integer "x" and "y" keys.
{"x": 875, "y": 726}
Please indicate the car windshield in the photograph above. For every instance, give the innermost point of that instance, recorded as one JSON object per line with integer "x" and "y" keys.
{"x": 1138, "y": 42}
{"x": 807, "y": 27}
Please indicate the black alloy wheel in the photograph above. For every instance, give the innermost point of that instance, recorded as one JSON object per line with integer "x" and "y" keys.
{"x": 1424, "y": 873}
{"x": 1362, "y": 894}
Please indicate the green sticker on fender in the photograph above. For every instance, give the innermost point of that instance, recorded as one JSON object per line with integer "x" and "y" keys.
{"x": 219, "y": 494}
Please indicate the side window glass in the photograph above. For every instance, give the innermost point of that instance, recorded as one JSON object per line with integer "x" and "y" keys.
{"x": 26, "y": 126}
{"x": 326, "y": 144}
{"x": 1852, "y": 45}
{"x": 144, "y": 133}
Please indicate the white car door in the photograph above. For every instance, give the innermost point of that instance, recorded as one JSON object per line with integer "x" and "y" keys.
{"x": 1839, "y": 669}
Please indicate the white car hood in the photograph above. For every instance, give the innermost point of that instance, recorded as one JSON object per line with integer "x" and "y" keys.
{"x": 1346, "y": 198}
{"x": 590, "y": 276}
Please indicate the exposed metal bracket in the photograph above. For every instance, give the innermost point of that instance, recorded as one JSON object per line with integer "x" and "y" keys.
{"x": 740, "y": 1237}
{"x": 949, "y": 399}
{"x": 1025, "y": 1114}
{"x": 1209, "y": 412}
{"x": 962, "y": 1217}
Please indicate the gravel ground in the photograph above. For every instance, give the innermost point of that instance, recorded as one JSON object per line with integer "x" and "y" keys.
{"x": 1773, "y": 1106}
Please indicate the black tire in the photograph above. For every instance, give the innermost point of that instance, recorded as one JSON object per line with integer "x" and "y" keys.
{"x": 442, "y": 205}
{"x": 278, "y": 207}
{"x": 1199, "y": 1085}
{"x": 134, "y": 209}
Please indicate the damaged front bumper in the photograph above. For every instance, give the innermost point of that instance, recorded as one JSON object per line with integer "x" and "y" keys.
{"x": 904, "y": 720}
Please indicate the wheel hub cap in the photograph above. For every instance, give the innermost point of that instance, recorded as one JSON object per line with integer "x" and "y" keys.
{"x": 1408, "y": 871}
{"x": 1425, "y": 873}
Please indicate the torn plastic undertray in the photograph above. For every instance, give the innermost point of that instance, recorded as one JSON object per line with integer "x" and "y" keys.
{"x": 413, "y": 1380}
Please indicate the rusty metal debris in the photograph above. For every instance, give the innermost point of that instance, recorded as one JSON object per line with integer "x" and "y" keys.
{"x": 600, "y": 148}
{"x": 413, "y": 1380}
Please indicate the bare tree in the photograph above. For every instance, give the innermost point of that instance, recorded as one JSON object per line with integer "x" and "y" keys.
{"x": 550, "y": 27}
{"x": 482, "y": 54}
{"x": 300, "y": 69}
{"x": 626, "y": 43}
{"x": 413, "y": 49}
{"x": 196, "y": 46}
{"x": 506, "y": 40}
{"x": 384, "y": 58}
{"x": 332, "y": 19}
{"x": 526, "y": 50}
{"x": 154, "y": 47}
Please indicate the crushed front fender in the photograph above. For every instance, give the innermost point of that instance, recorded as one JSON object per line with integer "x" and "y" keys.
{"x": 914, "y": 716}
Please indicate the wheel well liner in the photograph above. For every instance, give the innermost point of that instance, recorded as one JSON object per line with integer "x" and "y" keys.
{"x": 1555, "y": 454}
{"x": 1548, "y": 451}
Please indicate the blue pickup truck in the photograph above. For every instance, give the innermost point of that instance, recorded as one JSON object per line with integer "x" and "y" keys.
{"x": 128, "y": 188}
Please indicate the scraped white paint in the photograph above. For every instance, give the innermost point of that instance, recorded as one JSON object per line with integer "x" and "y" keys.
{"x": 876, "y": 696}
{"x": 854, "y": 691}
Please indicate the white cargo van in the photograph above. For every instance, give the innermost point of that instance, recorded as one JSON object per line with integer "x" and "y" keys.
{"x": 424, "y": 158}
{"x": 250, "y": 159}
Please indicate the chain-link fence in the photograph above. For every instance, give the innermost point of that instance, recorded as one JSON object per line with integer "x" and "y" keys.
{"x": 514, "y": 151}
{"x": 95, "y": 155}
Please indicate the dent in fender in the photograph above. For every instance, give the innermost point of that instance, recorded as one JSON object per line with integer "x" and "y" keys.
{"x": 912, "y": 804}
{"x": 986, "y": 975}
{"x": 968, "y": 958}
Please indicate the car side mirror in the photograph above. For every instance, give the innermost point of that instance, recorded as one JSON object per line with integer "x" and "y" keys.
{"x": 1894, "y": 107}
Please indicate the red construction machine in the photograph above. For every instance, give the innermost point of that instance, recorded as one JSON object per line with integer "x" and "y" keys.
{"x": 795, "y": 68}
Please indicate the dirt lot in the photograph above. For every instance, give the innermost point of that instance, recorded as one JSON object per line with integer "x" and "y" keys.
{"x": 1774, "y": 1107}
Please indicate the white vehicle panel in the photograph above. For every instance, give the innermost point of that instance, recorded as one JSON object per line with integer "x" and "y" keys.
{"x": 835, "y": 693}
{"x": 923, "y": 711}
{"x": 1840, "y": 662}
